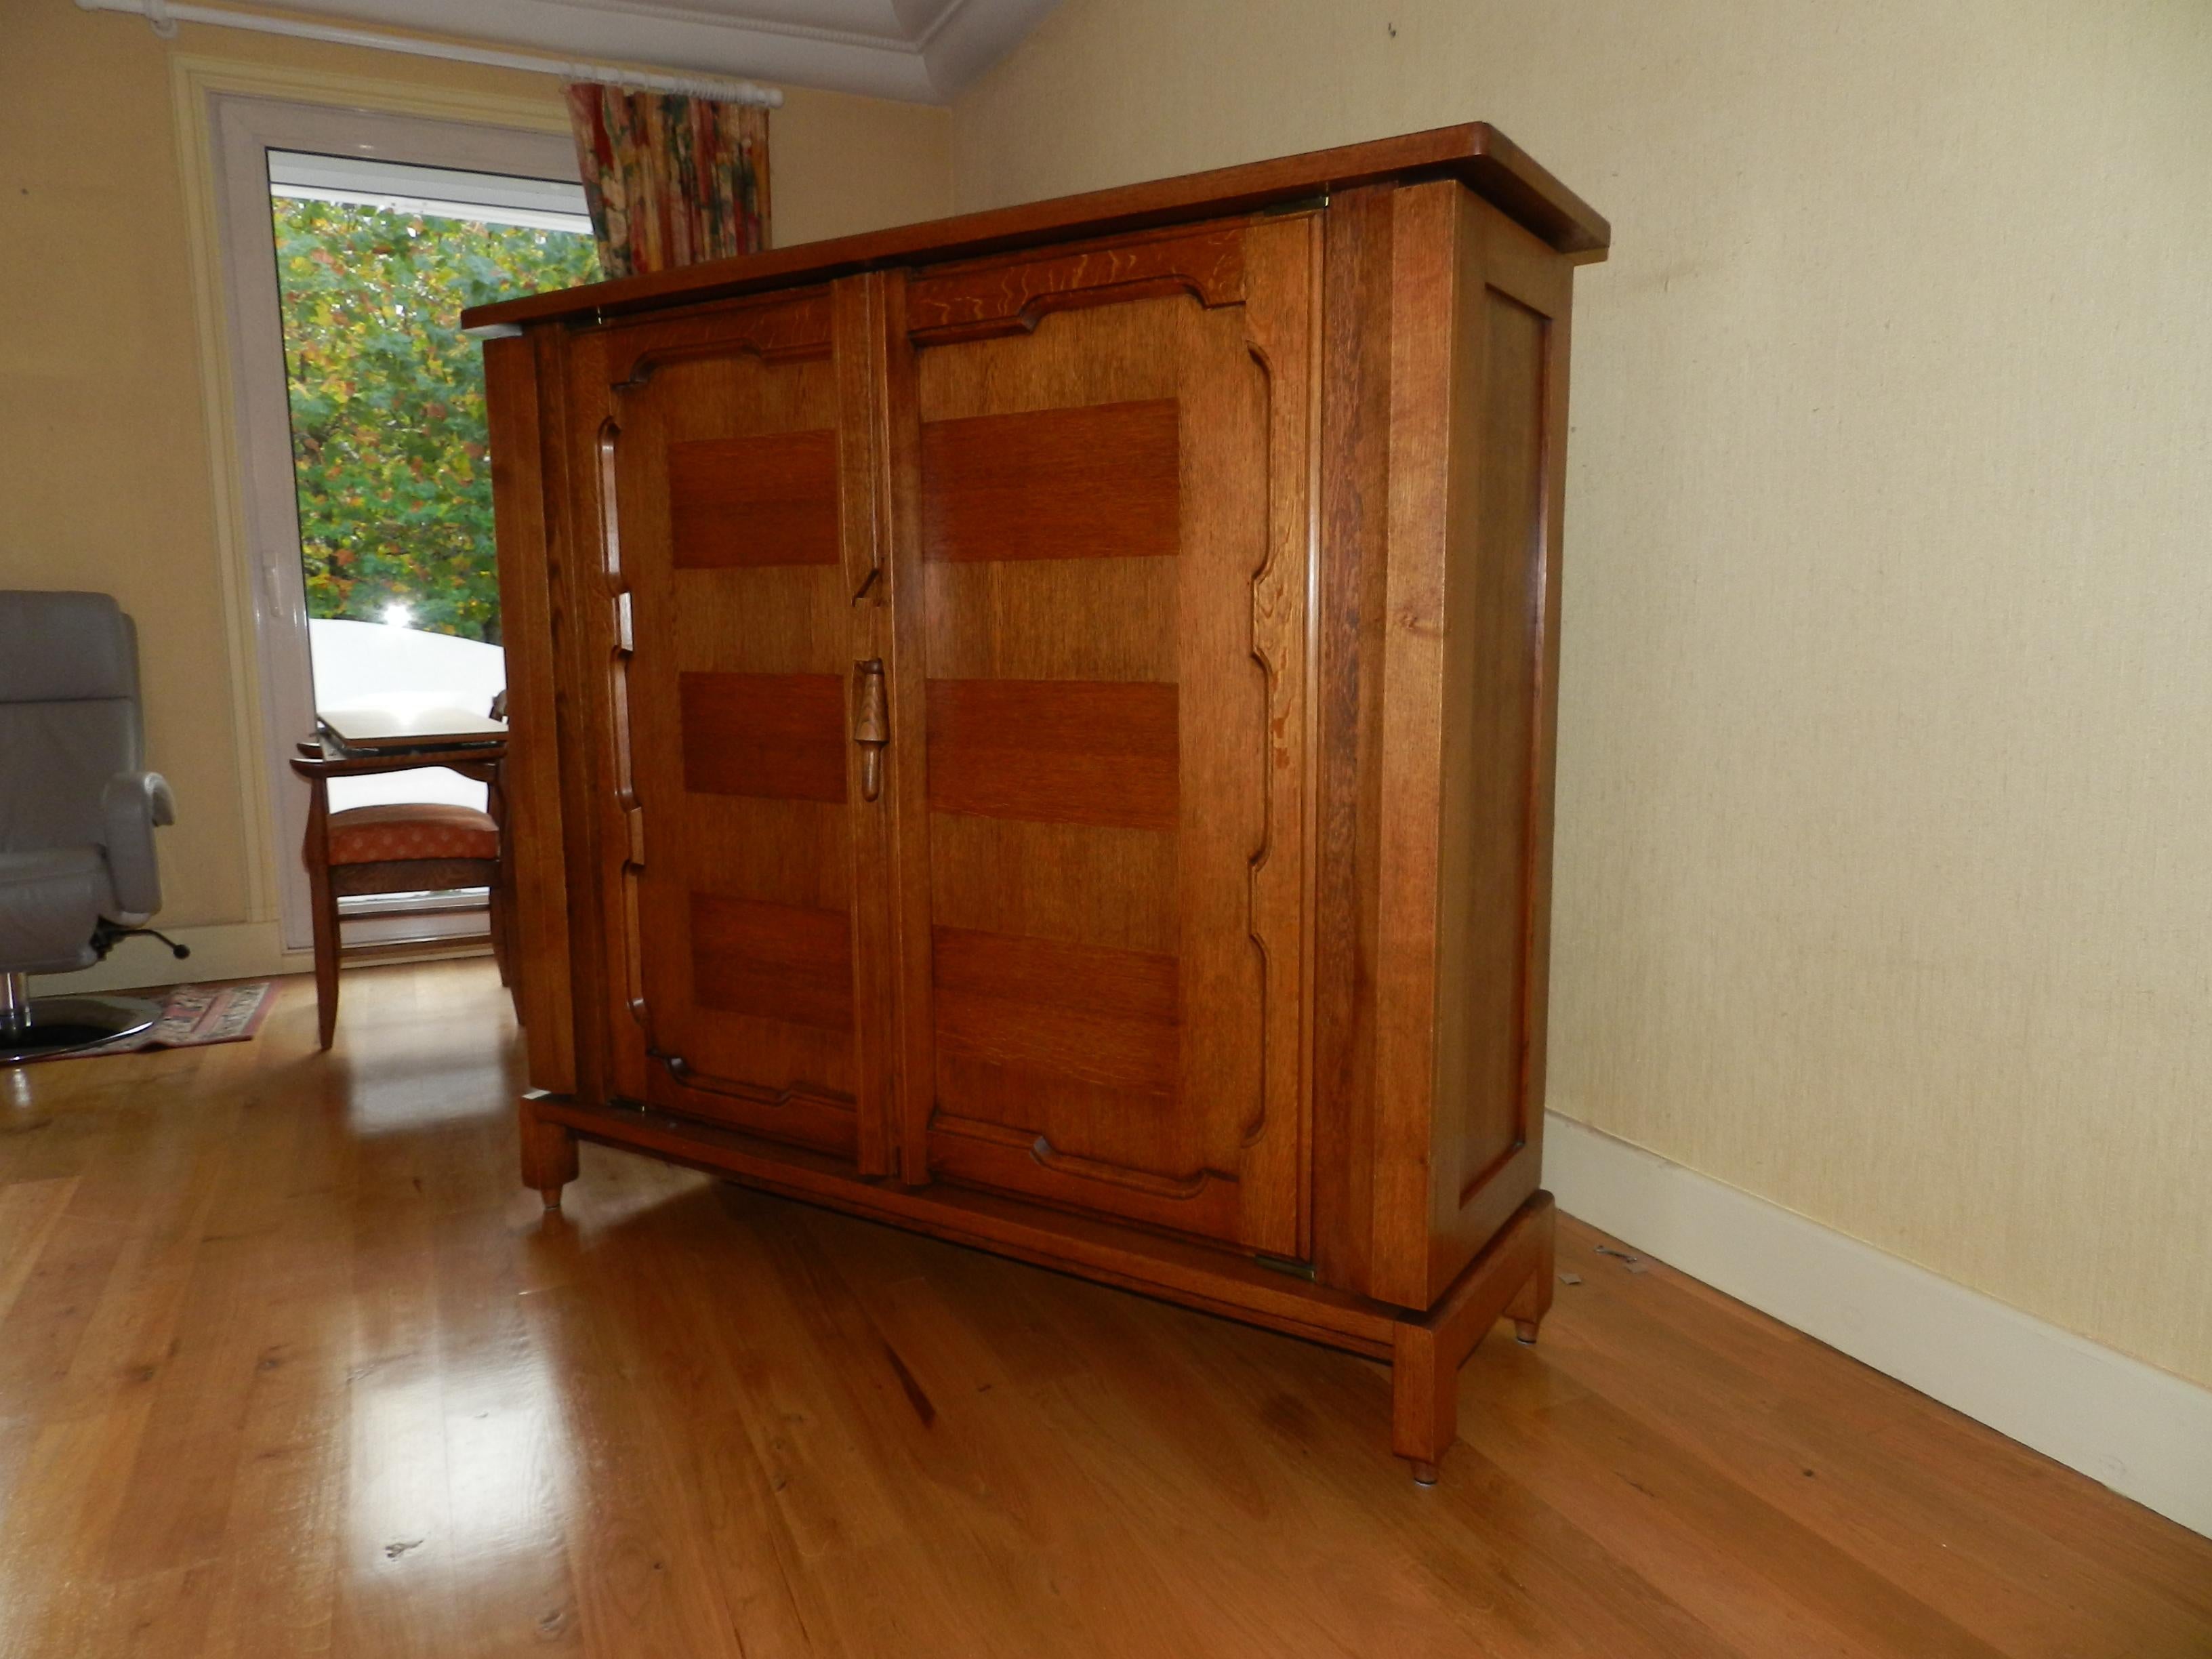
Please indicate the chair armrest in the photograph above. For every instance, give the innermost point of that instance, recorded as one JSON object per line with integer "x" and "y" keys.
{"x": 480, "y": 756}
{"x": 132, "y": 803}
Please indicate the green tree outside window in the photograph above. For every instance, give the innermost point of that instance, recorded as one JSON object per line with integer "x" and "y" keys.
{"x": 388, "y": 443}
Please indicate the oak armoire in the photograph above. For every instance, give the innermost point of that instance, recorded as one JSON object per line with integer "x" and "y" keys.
{"x": 1038, "y": 728}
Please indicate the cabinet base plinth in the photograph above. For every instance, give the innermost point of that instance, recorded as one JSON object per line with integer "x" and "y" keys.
{"x": 1512, "y": 1276}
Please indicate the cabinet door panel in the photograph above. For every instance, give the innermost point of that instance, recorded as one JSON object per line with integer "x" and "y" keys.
{"x": 1101, "y": 597}
{"x": 736, "y": 835}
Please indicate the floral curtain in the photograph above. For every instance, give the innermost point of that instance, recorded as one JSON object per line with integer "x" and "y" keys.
{"x": 671, "y": 180}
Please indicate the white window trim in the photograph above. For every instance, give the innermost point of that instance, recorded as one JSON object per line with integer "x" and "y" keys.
{"x": 403, "y": 187}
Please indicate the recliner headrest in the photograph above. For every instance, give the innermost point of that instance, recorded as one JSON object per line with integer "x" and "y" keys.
{"x": 64, "y": 647}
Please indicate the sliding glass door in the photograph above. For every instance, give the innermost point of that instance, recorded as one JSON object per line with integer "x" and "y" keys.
{"x": 351, "y": 243}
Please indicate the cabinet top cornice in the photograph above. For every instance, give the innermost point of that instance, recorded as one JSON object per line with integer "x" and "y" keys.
{"x": 1476, "y": 153}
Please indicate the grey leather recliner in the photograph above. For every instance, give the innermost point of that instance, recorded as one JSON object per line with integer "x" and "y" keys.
{"x": 78, "y": 812}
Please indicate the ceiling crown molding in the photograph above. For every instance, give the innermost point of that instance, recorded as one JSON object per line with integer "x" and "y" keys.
{"x": 919, "y": 51}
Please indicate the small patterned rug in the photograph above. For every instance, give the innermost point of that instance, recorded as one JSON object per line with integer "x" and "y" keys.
{"x": 192, "y": 1016}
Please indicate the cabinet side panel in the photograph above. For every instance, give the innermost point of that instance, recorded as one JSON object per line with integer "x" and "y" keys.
{"x": 531, "y": 781}
{"x": 1499, "y": 633}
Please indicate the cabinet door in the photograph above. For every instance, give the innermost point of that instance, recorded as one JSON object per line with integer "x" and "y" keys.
{"x": 1103, "y": 546}
{"x": 735, "y": 840}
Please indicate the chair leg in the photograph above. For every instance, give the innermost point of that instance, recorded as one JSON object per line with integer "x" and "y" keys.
{"x": 325, "y": 907}
{"x": 326, "y": 975}
{"x": 501, "y": 945}
{"x": 322, "y": 902}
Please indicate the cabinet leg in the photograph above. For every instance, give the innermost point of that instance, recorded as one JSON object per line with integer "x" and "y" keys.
{"x": 549, "y": 1152}
{"x": 1424, "y": 1399}
{"x": 1534, "y": 1299}
{"x": 1513, "y": 1274}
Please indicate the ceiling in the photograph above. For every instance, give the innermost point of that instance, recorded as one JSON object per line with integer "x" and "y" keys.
{"x": 922, "y": 50}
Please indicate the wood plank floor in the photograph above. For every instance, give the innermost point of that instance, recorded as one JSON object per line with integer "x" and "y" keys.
{"x": 290, "y": 1365}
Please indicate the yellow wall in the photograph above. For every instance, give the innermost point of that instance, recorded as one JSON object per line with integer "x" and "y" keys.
{"x": 1884, "y": 884}
{"x": 104, "y": 478}
{"x": 842, "y": 164}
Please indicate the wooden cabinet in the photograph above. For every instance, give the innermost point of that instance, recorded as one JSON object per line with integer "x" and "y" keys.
{"x": 1038, "y": 728}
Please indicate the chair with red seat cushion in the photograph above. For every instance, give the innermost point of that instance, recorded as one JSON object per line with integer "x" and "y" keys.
{"x": 424, "y": 829}
{"x": 416, "y": 847}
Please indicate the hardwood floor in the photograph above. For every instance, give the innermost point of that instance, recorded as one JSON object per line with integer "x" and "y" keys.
{"x": 290, "y": 1364}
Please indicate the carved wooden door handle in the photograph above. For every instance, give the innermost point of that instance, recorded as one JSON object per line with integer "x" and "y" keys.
{"x": 872, "y": 726}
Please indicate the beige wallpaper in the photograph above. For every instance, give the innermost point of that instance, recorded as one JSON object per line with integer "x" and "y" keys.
{"x": 104, "y": 457}
{"x": 1885, "y": 833}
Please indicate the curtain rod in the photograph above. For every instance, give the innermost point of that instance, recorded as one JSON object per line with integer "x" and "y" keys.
{"x": 165, "y": 18}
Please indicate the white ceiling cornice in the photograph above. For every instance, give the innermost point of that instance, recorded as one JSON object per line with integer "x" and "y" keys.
{"x": 922, "y": 51}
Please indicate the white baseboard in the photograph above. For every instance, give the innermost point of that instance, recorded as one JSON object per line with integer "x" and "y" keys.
{"x": 249, "y": 950}
{"x": 237, "y": 950}
{"x": 2144, "y": 1432}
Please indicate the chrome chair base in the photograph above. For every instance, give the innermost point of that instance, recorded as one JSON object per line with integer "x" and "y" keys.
{"x": 32, "y": 1028}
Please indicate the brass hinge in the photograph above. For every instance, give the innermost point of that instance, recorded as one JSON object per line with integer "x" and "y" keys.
{"x": 1282, "y": 1264}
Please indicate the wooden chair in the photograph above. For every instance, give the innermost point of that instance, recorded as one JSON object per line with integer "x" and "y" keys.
{"x": 408, "y": 847}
